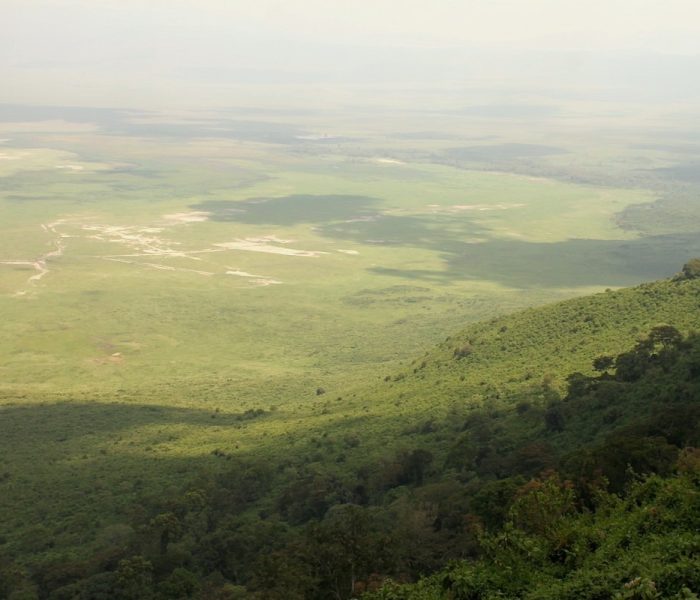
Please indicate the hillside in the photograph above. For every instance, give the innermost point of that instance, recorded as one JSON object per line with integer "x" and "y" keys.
{"x": 391, "y": 478}
{"x": 643, "y": 545}
{"x": 612, "y": 505}
{"x": 525, "y": 356}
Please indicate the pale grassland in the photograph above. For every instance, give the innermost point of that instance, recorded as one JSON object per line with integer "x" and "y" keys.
{"x": 143, "y": 279}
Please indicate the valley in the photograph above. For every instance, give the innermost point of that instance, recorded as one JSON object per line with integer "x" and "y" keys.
{"x": 185, "y": 293}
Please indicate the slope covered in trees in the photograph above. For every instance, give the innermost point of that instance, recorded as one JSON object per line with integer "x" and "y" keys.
{"x": 549, "y": 453}
{"x": 642, "y": 545}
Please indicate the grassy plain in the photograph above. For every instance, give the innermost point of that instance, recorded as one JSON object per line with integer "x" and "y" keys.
{"x": 160, "y": 276}
{"x": 139, "y": 279}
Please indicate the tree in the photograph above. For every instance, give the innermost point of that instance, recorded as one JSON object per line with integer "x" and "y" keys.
{"x": 345, "y": 549}
{"x": 603, "y": 363}
{"x": 630, "y": 366}
{"x": 414, "y": 466}
{"x": 180, "y": 584}
{"x": 577, "y": 385}
{"x": 463, "y": 351}
{"x": 665, "y": 335}
{"x": 541, "y": 504}
{"x": 691, "y": 269}
{"x": 554, "y": 418}
{"x": 135, "y": 578}
{"x": 169, "y": 528}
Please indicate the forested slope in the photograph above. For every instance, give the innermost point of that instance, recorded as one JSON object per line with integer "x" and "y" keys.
{"x": 550, "y": 451}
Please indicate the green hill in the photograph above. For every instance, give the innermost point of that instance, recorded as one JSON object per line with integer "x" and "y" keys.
{"x": 391, "y": 478}
{"x": 612, "y": 505}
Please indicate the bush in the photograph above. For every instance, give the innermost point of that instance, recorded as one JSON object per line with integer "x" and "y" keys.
{"x": 691, "y": 269}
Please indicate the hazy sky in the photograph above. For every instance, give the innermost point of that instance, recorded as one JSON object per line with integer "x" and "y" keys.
{"x": 118, "y": 48}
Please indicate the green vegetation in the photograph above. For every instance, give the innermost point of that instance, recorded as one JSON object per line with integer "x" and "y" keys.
{"x": 642, "y": 545}
{"x": 691, "y": 269}
{"x": 224, "y": 285}
{"x": 214, "y": 380}
{"x": 338, "y": 515}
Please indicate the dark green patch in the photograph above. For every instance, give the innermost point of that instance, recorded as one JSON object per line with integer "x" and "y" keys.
{"x": 677, "y": 211}
{"x": 563, "y": 264}
{"x": 435, "y": 232}
{"x": 395, "y": 294}
{"x": 290, "y": 210}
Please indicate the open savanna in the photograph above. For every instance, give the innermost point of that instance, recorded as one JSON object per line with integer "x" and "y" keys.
{"x": 157, "y": 284}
